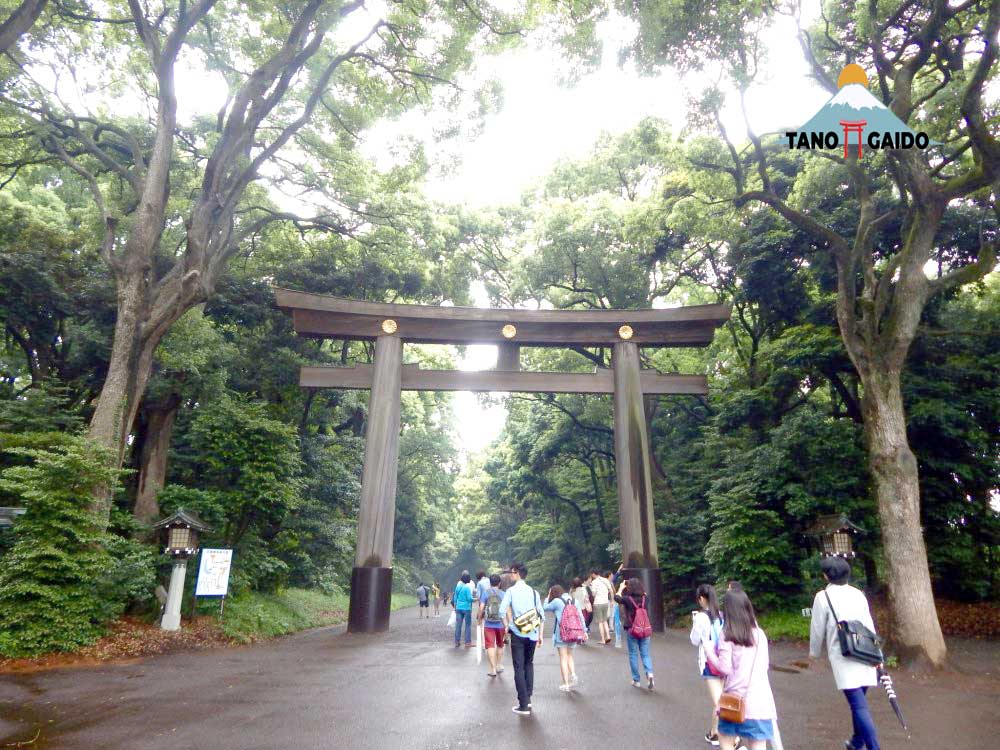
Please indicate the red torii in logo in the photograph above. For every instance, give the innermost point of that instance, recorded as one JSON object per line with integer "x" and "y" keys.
{"x": 853, "y": 126}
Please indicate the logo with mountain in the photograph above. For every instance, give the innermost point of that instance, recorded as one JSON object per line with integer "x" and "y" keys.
{"x": 853, "y": 117}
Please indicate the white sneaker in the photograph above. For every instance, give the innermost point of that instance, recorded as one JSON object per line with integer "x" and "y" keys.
{"x": 573, "y": 680}
{"x": 565, "y": 688}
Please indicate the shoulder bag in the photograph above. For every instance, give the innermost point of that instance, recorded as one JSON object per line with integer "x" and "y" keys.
{"x": 528, "y": 620}
{"x": 857, "y": 642}
{"x": 733, "y": 706}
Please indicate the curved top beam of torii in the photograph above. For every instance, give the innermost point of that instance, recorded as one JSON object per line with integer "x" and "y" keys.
{"x": 324, "y": 316}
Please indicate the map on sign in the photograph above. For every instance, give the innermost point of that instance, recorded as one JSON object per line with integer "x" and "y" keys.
{"x": 213, "y": 574}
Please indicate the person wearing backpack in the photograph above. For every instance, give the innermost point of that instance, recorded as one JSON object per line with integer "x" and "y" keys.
{"x": 638, "y": 629}
{"x": 852, "y": 677}
{"x": 568, "y": 631}
{"x": 706, "y": 626}
{"x": 524, "y": 617}
{"x": 746, "y": 707}
{"x": 493, "y": 628}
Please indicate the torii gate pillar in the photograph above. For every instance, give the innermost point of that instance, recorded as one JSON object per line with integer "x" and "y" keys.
{"x": 371, "y": 579}
{"x": 392, "y": 325}
{"x": 634, "y": 478}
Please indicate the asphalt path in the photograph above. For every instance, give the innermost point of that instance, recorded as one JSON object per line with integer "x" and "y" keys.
{"x": 409, "y": 688}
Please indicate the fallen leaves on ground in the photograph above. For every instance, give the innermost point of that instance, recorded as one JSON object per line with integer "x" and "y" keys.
{"x": 965, "y": 620}
{"x": 129, "y": 638}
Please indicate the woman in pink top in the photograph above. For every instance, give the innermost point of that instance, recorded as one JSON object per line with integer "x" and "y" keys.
{"x": 742, "y": 660}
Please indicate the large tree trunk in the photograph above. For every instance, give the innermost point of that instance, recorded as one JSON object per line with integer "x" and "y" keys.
{"x": 129, "y": 370}
{"x": 153, "y": 457}
{"x": 916, "y": 632}
{"x": 110, "y": 423}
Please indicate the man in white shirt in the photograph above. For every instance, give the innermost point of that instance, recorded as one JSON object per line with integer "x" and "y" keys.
{"x": 600, "y": 587}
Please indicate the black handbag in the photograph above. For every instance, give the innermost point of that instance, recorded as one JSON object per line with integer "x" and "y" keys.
{"x": 857, "y": 642}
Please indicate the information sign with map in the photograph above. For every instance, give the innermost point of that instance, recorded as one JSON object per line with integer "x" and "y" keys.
{"x": 213, "y": 573}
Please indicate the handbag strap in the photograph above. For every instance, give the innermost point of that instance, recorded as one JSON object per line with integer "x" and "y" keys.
{"x": 753, "y": 663}
{"x": 832, "y": 610}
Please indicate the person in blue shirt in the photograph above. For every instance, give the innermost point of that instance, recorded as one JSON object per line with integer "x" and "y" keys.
{"x": 520, "y": 599}
{"x": 556, "y": 602}
{"x": 482, "y": 584}
{"x": 462, "y": 602}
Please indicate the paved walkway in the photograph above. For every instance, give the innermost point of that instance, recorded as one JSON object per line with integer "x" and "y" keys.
{"x": 410, "y": 689}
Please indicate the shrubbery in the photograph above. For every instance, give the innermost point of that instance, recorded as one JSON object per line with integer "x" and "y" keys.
{"x": 59, "y": 586}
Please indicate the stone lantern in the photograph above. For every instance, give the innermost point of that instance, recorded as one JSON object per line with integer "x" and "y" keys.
{"x": 180, "y": 535}
{"x": 835, "y": 535}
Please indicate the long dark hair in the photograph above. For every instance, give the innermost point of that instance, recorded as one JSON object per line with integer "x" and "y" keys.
{"x": 707, "y": 591}
{"x": 635, "y": 588}
{"x": 740, "y": 618}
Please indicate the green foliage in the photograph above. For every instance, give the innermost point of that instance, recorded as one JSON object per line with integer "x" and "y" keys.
{"x": 784, "y": 625}
{"x": 246, "y": 467}
{"x": 58, "y": 585}
{"x": 255, "y": 615}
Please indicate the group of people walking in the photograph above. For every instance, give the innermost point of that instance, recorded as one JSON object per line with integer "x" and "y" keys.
{"x": 733, "y": 655}
{"x": 733, "y": 661}
{"x": 511, "y": 612}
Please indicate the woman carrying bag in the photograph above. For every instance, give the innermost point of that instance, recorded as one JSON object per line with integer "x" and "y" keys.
{"x": 746, "y": 707}
{"x": 842, "y": 602}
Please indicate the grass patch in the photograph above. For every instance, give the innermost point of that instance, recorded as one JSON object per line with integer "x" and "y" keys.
{"x": 785, "y": 625}
{"x": 258, "y": 615}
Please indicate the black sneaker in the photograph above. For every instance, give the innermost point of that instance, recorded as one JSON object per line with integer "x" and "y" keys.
{"x": 712, "y": 739}
{"x": 521, "y": 711}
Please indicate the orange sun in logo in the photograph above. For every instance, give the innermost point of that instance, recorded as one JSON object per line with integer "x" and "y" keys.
{"x": 852, "y": 73}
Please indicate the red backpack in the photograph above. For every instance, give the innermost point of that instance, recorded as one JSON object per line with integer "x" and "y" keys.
{"x": 641, "y": 626}
{"x": 571, "y": 628}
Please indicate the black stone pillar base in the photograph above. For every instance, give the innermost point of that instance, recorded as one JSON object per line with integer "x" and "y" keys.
{"x": 371, "y": 594}
{"x": 653, "y": 584}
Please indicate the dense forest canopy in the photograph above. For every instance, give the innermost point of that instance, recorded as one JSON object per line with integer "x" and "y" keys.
{"x": 143, "y": 354}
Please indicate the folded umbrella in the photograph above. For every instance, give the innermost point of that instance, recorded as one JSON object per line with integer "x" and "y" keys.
{"x": 886, "y": 682}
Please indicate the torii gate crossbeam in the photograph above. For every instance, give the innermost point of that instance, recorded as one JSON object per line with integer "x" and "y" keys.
{"x": 392, "y": 325}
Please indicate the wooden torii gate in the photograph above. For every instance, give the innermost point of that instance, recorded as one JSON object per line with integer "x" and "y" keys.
{"x": 392, "y": 325}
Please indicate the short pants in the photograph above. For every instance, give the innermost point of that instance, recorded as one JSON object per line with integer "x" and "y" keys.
{"x": 751, "y": 729}
{"x": 601, "y": 612}
{"x": 493, "y": 637}
{"x": 423, "y": 603}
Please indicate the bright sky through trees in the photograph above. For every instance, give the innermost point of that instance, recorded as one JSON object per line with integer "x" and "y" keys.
{"x": 542, "y": 121}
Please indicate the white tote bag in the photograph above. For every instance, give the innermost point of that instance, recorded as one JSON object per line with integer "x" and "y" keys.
{"x": 451, "y": 620}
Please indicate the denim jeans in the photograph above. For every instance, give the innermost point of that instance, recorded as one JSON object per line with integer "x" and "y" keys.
{"x": 522, "y": 652}
{"x": 864, "y": 727}
{"x": 460, "y": 615}
{"x": 638, "y": 647}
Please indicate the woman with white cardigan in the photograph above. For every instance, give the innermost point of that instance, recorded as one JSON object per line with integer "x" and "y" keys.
{"x": 706, "y": 625}
{"x": 852, "y": 677}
